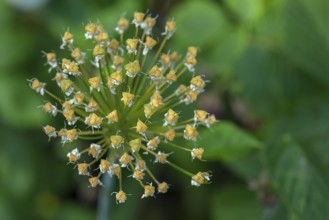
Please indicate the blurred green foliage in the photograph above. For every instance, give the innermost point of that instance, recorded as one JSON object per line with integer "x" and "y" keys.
{"x": 267, "y": 62}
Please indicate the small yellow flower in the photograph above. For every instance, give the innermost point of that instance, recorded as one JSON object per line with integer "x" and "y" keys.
{"x": 197, "y": 83}
{"x": 113, "y": 46}
{"x": 190, "y": 62}
{"x": 132, "y": 45}
{"x": 78, "y": 98}
{"x": 95, "y": 83}
{"x": 192, "y": 51}
{"x": 174, "y": 57}
{"x": 67, "y": 86}
{"x": 163, "y": 187}
{"x": 92, "y": 106}
{"x": 74, "y": 155}
{"x": 83, "y": 169}
{"x": 49, "y": 108}
{"x": 148, "y": 24}
{"x": 102, "y": 37}
{"x": 135, "y": 145}
{"x": 104, "y": 165}
{"x": 50, "y": 131}
{"x": 125, "y": 159}
{"x": 127, "y": 98}
{"x": 70, "y": 116}
{"x": 170, "y": 134}
{"x": 171, "y": 118}
{"x": 156, "y": 74}
{"x": 171, "y": 76}
{"x": 161, "y": 157}
{"x": 149, "y": 44}
{"x": 112, "y": 117}
{"x": 51, "y": 61}
{"x": 94, "y": 181}
{"x": 140, "y": 165}
{"x": 140, "y": 127}
{"x": 71, "y": 135}
{"x": 117, "y": 62}
{"x": 149, "y": 110}
{"x": 132, "y": 68}
{"x": 38, "y": 86}
{"x": 121, "y": 197}
{"x": 115, "y": 169}
{"x": 117, "y": 77}
{"x": 153, "y": 143}
{"x": 138, "y": 175}
{"x": 67, "y": 39}
{"x": 122, "y": 25}
{"x": 200, "y": 116}
{"x": 138, "y": 18}
{"x": 165, "y": 60}
{"x": 210, "y": 120}
{"x": 94, "y": 150}
{"x": 78, "y": 55}
{"x": 200, "y": 178}
{"x": 93, "y": 121}
{"x": 180, "y": 90}
{"x": 170, "y": 29}
{"x": 197, "y": 153}
{"x": 90, "y": 30}
{"x": 148, "y": 191}
{"x": 190, "y": 133}
{"x": 156, "y": 99}
{"x": 116, "y": 141}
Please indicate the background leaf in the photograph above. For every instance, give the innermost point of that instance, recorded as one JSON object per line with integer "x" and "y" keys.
{"x": 229, "y": 199}
{"x": 298, "y": 184}
{"x": 227, "y": 142}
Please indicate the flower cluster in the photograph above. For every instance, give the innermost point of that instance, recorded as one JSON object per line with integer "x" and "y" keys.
{"x": 123, "y": 101}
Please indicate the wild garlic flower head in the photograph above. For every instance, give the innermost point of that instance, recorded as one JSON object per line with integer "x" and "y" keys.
{"x": 124, "y": 103}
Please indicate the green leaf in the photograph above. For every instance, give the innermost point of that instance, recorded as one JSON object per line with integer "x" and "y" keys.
{"x": 307, "y": 39}
{"x": 19, "y": 104}
{"x": 297, "y": 183}
{"x": 228, "y": 49}
{"x": 235, "y": 203}
{"x": 249, "y": 166}
{"x": 198, "y": 23}
{"x": 70, "y": 210}
{"x": 227, "y": 142}
{"x": 249, "y": 11}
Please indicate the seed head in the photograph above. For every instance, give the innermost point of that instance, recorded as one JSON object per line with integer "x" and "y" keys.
{"x": 122, "y": 103}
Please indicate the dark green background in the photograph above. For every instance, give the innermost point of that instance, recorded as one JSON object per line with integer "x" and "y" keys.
{"x": 268, "y": 66}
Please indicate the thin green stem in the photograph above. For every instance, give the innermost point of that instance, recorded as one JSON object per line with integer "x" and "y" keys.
{"x": 54, "y": 96}
{"x": 177, "y": 146}
{"x": 180, "y": 169}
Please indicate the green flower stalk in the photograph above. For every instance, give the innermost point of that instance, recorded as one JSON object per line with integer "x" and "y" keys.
{"x": 123, "y": 101}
